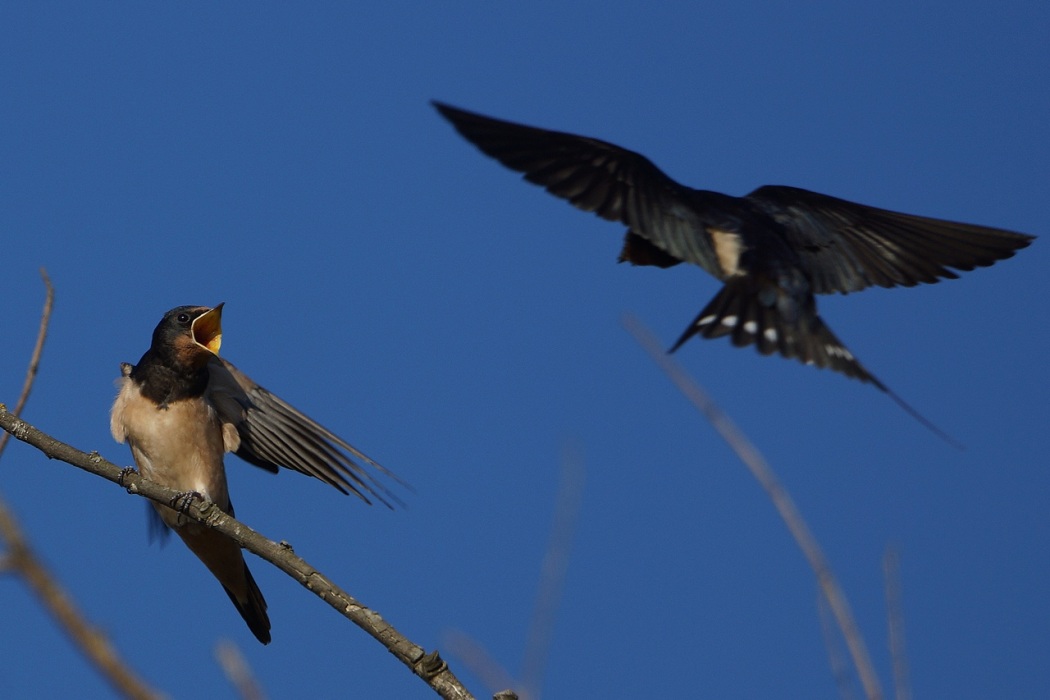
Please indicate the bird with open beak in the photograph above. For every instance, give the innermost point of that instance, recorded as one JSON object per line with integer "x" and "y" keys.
{"x": 181, "y": 408}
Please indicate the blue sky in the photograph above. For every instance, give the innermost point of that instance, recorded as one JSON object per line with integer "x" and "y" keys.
{"x": 463, "y": 327}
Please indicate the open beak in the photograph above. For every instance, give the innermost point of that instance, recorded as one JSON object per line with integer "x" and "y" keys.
{"x": 207, "y": 329}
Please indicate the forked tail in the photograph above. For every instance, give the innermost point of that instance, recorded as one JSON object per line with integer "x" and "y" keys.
{"x": 753, "y": 312}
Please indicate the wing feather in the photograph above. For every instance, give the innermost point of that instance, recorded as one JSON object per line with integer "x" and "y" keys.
{"x": 596, "y": 176}
{"x": 275, "y": 434}
{"x": 846, "y": 247}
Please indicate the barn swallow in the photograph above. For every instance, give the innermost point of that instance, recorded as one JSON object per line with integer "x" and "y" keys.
{"x": 181, "y": 408}
{"x": 773, "y": 249}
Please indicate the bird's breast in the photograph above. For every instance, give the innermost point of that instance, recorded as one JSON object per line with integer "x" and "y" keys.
{"x": 179, "y": 445}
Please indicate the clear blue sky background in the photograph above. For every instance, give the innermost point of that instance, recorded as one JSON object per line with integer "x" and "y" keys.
{"x": 462, "y": 327}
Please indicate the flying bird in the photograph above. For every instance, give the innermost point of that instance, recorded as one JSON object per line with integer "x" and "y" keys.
{"x": 773, "y": 249}
{"x": 181, "y": 408}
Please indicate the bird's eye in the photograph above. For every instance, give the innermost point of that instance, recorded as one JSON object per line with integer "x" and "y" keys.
{"x": 183, "y": 318}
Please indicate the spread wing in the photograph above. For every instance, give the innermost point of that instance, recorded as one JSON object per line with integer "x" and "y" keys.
{"x": 613, "y": 182}
{"x": 275, "y": 434}
{"x": 846, "y": 247}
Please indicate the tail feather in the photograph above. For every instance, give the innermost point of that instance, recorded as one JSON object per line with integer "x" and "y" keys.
{"x": 739, "y": 312}
{"x": 224, "y": 559}
{"x": 252, "y": 608}
{"x": 753, "y": 314}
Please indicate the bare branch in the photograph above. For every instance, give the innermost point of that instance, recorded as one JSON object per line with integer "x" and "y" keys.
{"x": 840, "y": 669}
{"x": 430, "y": 667}
{"x": 478, "y": 660}
{"x": 94, "y": 644}
{"x": 891, "y": 568}
{"x": 34, "y": 360}
{"x": 21, "y": 559}
{"x": 552, "y": 574}
{"x": 548, "y": 595}
{"x": 237, "y": 671}
{"x": 783, "y": 502}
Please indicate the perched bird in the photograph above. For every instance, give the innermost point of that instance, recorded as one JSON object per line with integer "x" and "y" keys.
{"x": 773, "y": 249}
{"x": 181, "y": 408}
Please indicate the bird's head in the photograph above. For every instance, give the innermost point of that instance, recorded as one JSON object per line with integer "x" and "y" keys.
{"x": 192, "y": 334}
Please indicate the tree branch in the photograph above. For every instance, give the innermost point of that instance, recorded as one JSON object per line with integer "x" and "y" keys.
{"x": 431, "y": 668}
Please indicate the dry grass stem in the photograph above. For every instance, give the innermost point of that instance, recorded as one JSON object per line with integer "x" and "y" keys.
{"x": 782, "y": 501}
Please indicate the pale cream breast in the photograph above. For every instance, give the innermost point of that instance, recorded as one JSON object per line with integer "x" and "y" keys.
{"x": 180, "y": 446}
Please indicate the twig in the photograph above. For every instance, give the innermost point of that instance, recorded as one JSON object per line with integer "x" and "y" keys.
{"x": 21, "y": 560}
{"x": 92, "y": 642}
{"x": 552, "y": 574}
{"x": 234, "y": 665}
{"x": 548, "y": 595}
{"x": 891, "y": 567}
{"x": 429, "y": 667}
{"x": 34, "y": 360}
{"x": 785, "y": 506}
{"x": 478, "y": 660}
{"x": 840, "y": 669}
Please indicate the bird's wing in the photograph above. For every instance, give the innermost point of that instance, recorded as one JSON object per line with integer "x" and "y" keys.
{"x": 274, "y": 434}
{"x": 845, "y": 247}
{"x": 597, "y": 176}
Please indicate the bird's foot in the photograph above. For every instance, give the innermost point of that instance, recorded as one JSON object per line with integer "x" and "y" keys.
{"x": 182, "y": 501}
{"x": 124, "y": 474}
{"x": 431, "y": 664}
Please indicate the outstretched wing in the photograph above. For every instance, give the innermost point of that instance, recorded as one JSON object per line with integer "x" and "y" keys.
{"x": 275, "y": 434}
{"x": 597, "y": 176}
{"x": 845, "y": 247}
